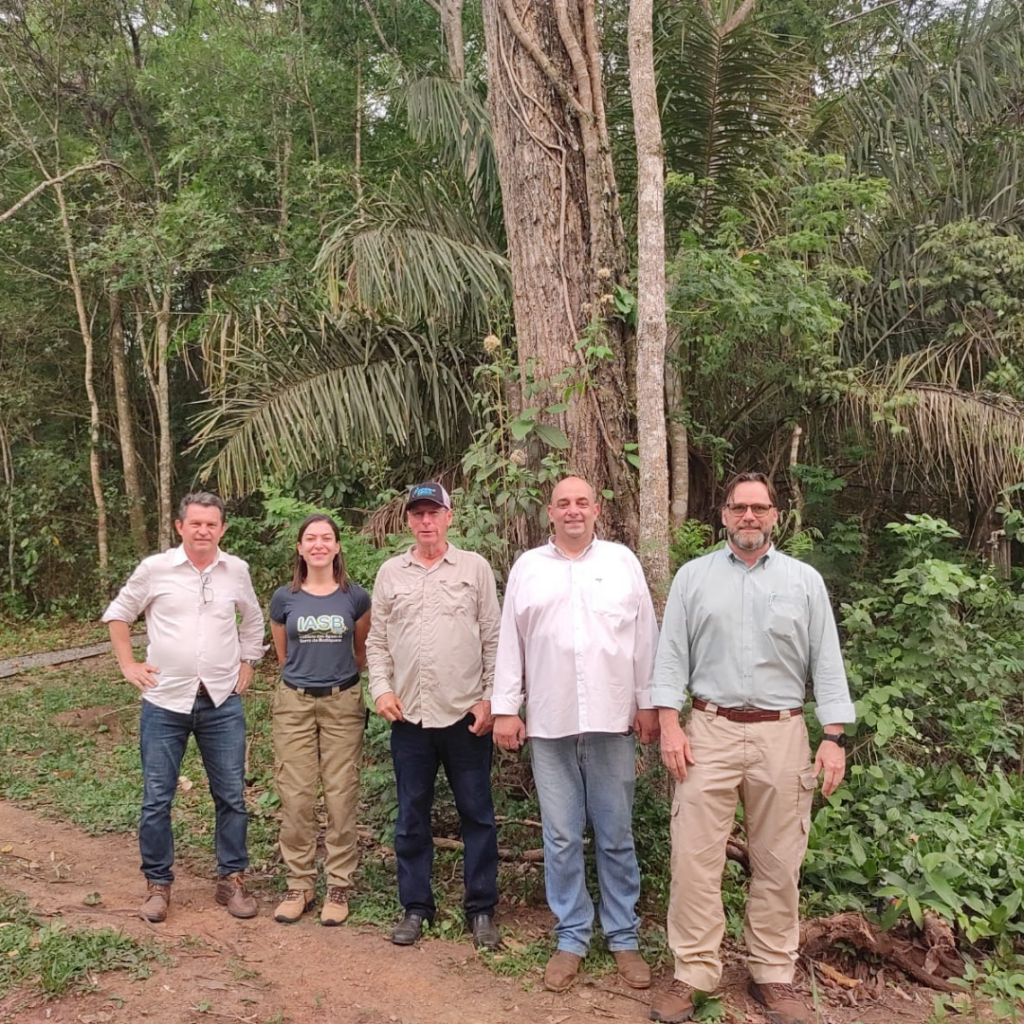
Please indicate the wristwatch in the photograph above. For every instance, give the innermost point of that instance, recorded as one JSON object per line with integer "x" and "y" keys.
{"x": 251, "y": 662}
{"x": 838, "y": 737}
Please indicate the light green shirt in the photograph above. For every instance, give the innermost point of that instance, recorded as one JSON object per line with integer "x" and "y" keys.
{"x": 744, "y": 637}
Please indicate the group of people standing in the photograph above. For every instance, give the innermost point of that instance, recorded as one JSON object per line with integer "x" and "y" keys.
{"x": 577, "y": 645}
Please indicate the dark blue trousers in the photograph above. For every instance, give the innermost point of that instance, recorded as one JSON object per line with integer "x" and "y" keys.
{"x": 417, "y": 753}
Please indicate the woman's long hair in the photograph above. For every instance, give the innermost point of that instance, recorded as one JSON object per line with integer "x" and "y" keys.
{"x": 302, "y": 570}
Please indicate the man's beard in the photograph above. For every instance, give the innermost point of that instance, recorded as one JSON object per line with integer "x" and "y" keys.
{"x": 748, "y": 540}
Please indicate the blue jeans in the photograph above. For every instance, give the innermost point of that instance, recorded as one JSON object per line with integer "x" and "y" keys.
{"x": 581, "y": 779}
{"x": 417, "y": 753}
{"x": 220, "y": 736}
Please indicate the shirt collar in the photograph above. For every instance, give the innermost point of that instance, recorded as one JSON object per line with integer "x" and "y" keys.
{"x": 759, "y": 564}
{"x": 449, "y": 556}
{"x": 178, "y": 557}
{"x": 554, "y": 549}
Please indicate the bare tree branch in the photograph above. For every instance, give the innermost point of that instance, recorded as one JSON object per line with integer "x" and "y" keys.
{"x": 29, "y": 196}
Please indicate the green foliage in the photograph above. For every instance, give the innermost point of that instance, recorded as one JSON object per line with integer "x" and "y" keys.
{"x": 931, "y": 815}
{"x": 54, "y": 958}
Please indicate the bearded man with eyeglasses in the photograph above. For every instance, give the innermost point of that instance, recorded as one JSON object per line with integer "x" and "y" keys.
{"x": 205, "y": 631}
{"x": 745, "y": 627}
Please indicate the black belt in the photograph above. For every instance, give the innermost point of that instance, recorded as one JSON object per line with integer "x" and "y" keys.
{"x": 323, "y": 691}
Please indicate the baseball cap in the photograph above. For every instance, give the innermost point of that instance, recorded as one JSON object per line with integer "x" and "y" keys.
{"x": 431, "y": 492}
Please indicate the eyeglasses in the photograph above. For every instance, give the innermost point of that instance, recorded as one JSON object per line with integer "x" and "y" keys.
{"x": 741, "y": 510}
{"x": 204, "y": 579}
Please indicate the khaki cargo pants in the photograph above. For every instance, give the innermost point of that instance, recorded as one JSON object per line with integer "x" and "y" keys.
{"x": 767, "y": 766}
{"x": 318, "y": 739}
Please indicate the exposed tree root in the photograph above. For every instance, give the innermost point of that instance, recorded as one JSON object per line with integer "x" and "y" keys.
{"x": 931, "y": 959}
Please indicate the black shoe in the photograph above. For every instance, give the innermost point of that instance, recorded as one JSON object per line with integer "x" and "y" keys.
{"x": 485, "y": 932}
{"x": 407, "y": 931}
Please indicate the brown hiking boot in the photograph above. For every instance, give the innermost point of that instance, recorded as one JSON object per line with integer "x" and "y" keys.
{"x": 633, "y": 970}
{"x": 295, "y": 903}
{"x": 561, "y": 971}
{"x": 231, "y": 893}
{"x": 335, "y": 908}
{"x": 674, "y": 1005}
{"x": 781, "y": 1002}
{"x": 158, "y": 899}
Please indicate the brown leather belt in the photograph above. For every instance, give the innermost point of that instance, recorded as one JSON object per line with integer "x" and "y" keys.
{"x": 748, "y": 714}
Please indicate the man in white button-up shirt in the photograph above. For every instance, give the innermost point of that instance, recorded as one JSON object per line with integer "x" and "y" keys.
{"x": 199, "y": 661}
{"x": 578, "y": 636}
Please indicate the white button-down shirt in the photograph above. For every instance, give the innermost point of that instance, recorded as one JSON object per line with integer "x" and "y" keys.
{"x": 194, "y": 635}
{"x": 578, "y": 636}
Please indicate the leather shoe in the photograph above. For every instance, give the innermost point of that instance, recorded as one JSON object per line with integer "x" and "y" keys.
{"x": 633, "y": 969}
{"x": 485, "y": 931}
{"x": 674, "y": 1005}
{"x": 232, "y": 893}
{"x": 408, "y": 930}
{"x": 158, "y": 899}
{"x": 561, "y": 971}
{"x": 781, "y": 1002}
{"x": 295, "y": 903}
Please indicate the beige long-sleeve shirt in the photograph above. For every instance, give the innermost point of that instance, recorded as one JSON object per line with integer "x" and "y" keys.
{"x": 194, "y": 634}
{"x": 434, "y": 635}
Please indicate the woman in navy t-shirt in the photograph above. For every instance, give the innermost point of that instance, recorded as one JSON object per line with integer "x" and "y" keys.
{"x": 319, "y": 624}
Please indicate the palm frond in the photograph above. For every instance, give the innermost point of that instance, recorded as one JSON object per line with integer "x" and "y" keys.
{"x": 970, "y": 441}
{"x": 298, "y": 388}
{"x": 725, "y": 95}
{"x": 453, "y": 118}
{"x": 414, "y": 255}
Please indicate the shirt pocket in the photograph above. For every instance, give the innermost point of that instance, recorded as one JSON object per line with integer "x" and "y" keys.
{"x": 783, "y": 616}
{"x": 613, "y": 598}
{"x": 457, "y": 599}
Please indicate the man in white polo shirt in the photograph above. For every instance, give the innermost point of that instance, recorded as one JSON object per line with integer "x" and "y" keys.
{"x": 199, "y": 661}
{"x": 578, "y": 636}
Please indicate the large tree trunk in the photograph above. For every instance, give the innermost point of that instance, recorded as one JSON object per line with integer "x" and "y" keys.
{"x": 564, "y": 232}
{"x": 678, "y": 440}
{"x": 102, "y": 550}
{"x": 126, "y": 430}
{"x": 652, "y": 329}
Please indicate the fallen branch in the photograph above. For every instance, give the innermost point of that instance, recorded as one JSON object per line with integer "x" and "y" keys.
{"x": 819, "y": 936}
{"x": 504, "y": 852}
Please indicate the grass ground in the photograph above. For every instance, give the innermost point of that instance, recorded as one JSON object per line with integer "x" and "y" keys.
{"x": 71, "y": 739}
{"x": 21, "y": 638}
{"x": 54, "y": 958}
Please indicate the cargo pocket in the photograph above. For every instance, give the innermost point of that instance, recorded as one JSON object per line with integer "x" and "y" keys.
{"x": 807, "y": 784}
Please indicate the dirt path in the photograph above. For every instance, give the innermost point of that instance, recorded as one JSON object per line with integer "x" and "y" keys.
{"x": 260, "y": 972}
{"x": 255, "y": 970}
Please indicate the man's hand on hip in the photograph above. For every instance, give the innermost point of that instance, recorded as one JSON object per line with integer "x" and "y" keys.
{"x": 830, "y": 759}
{"x": 482, "y": 720}
{"x": 675, "y": 745}
{"x": 246, "y": 674}
{"x": 509, "y": 731}
{"x": 389, "y": 707}
{"x": 141, "y": 675}
{"x": 646, "y": 725}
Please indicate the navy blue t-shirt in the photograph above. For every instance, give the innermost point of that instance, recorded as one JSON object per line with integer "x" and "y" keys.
{"x": 320, "y": 631}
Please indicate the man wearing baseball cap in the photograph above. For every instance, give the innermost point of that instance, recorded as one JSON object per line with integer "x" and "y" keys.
{"x": 431, "y": 650}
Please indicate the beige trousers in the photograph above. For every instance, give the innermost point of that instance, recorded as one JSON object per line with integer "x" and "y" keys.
{"x": 767, "y": 766}
{"x": 318, "y": 739}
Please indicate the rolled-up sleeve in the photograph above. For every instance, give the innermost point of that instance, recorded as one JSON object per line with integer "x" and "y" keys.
{"x": 133, "y": 597}
{"x": 645, "y": 642}
{"x": 828, "y": 674}
{"x": 489, "y": 624}
{"x": 378, "y": 653}
{"x": 251, "y": 627}
{"x": 672, "y": 664}
{"x": 507, "y": 697}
